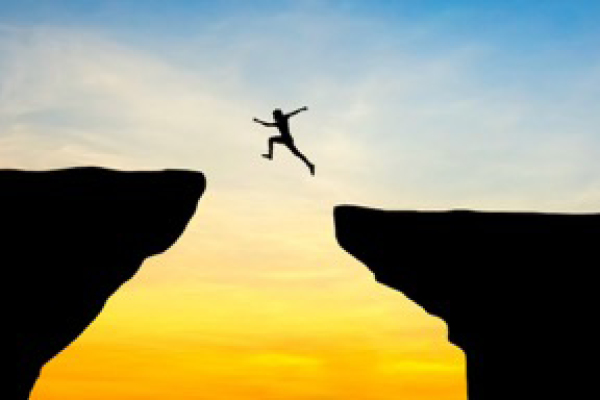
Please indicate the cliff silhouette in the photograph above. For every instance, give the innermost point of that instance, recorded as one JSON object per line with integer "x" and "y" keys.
{"x": 516, "y": 290}
{"x": 69, "y": 239}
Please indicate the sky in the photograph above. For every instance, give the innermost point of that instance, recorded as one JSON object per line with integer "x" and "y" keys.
{"x": 412, "y": 105}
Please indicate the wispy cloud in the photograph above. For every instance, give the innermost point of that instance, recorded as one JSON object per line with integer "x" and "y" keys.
{"x": 387, "y": 116}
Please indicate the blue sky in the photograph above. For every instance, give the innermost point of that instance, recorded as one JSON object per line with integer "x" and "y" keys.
{"x": 518, "y": 28}
{"x": 437, "y": 90}
{"x": 550, "y": 17}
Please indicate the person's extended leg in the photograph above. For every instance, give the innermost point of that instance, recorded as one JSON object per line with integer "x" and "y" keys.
{"x": 301, "y": 156}
{"x": 272, "y": 140}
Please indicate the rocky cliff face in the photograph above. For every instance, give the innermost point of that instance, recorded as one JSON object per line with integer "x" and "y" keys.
{"x": 68, "y": 240}
{"x": 517, "y": 290}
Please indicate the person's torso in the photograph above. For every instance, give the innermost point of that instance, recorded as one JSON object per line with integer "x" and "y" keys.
{"x": 284, "y": 128}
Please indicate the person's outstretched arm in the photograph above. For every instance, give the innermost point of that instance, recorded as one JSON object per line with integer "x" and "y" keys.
{"x": 297, "y": 111}
{"x": 263, "y": 122}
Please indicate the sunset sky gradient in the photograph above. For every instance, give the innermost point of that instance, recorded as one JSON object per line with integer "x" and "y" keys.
{"x": 412, "y": 105}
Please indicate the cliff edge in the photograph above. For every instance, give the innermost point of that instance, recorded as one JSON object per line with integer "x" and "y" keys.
{"x": 68, "y": 239}
{"x": 516, "y": 290}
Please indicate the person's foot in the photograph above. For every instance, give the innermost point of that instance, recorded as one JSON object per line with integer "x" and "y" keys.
{"x": 268, "y": 156}
{"x": 312, "y": 169}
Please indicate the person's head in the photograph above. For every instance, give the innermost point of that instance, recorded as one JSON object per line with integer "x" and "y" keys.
{"x": 277, "y": 114}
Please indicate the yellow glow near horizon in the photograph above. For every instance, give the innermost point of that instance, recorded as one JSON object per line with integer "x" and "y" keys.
{"x": 180, "y": 329}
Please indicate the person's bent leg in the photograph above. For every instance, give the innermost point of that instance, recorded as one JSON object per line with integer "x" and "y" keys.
{"x": 272, "y": 140}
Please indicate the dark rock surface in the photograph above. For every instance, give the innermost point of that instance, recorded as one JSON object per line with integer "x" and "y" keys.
{"x": 517, "y": 290}
{"x": 69, "y": 238}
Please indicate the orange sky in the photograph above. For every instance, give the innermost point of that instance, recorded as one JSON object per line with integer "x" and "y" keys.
{"x": 297, "y": 324}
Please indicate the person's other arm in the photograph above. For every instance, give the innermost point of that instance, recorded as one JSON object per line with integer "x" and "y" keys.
{"x": 297, "y": 111}
{"x": 270, "y": 124}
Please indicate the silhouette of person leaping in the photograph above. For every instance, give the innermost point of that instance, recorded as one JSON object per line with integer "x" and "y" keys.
{"x": 281, "y": 123}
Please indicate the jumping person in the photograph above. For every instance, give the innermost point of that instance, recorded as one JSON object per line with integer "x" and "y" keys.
{"x": 281, "y": 123}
